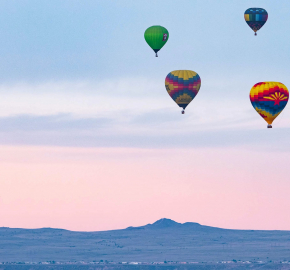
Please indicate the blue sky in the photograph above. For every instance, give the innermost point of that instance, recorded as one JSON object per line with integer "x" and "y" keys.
{"x": 88, "y": 130}
{"x": 79, "y": 73}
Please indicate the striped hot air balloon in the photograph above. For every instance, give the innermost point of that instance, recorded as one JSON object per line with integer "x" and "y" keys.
{"x": 269, "y": 99}
{"x": 256, "y": 18}
{"x": 182, "y": 86}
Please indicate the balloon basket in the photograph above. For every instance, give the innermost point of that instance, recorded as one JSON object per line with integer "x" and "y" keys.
{"x": 255, "y": 34}
{"x": 269, "y": 126}
{"x": 182, "y": 112}
{"x": 156, "y": 55}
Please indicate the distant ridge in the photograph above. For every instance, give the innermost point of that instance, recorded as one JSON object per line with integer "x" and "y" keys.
{"x": 163, "y": 240}
{"x": 165, "y": 223}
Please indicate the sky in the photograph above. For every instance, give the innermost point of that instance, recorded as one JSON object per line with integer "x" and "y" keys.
{"x": 90, "y": 139}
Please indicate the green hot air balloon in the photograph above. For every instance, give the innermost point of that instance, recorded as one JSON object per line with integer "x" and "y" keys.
{"x": 156, "y": 36}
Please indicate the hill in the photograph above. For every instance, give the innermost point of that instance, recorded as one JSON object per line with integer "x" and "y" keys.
{"x": 164, "y": 240}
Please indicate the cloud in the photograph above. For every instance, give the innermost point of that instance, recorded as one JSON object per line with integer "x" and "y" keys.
{"x": 61, "y": 122}
{"x": 130, "y": 112}
{"x": 65, "y": 130}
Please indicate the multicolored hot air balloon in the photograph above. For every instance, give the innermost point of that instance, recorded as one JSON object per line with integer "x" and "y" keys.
{"x": 256, "y": 18}
{"x": 182, "y": 86}
{"x": 269, "y": 99}
{"x": 156, "y": 37}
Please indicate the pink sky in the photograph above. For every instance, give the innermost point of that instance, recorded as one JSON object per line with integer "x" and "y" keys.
{"x": 111, "y": 188}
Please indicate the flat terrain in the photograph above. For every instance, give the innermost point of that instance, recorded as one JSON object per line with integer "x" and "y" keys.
{"x": 149, "y": 267}
{"x": 165, "y": 240}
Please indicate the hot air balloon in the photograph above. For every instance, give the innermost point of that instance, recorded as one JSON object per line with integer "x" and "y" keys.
{"x": 182, "y": 86}
{"x": 269, "y": 99}
{"x": 156, "y": 36}
{"x": 256, "y": 18}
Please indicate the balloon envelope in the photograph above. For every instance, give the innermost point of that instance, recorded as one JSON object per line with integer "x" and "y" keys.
{"x": 156, "y": 37}
{"x": 256, "y": 18}
{"x": 269, "y": 99}
{"x": 182, "y": 86}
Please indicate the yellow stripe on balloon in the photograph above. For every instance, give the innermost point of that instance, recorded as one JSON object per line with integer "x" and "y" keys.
{"x": 183, "y": 99}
